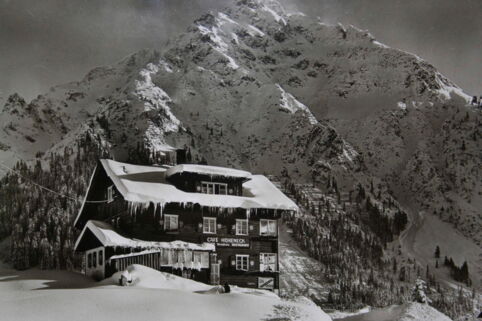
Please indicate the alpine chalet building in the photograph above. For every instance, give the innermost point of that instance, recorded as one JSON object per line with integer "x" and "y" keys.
{"x": 207, "y": 223}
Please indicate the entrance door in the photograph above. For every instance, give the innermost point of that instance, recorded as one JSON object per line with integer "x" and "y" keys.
{"x": 215, "y": 273}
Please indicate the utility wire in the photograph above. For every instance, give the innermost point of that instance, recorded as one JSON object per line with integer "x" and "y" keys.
{"x": 46, "y": 188}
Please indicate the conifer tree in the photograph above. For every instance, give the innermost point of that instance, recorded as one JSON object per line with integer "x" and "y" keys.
{"x": 437, "y": 252}
{"x": 419, "y": 292}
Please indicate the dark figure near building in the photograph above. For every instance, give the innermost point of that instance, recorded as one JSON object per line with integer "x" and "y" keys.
{"x": 474, "y": 101}
{"x": 227, "y": 288}
{"x": 480, "y": 101}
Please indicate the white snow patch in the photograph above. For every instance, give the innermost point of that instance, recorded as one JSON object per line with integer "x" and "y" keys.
{"x": 108, "y": 237}
{"x": 219, "y": 44}
{"x": 297, "y": 13}
{"x": 291, "y": 104}
{"x": 379, "y": 44}
{"x": 224, "y": 18}
{"x": 402, "y": 105}
{"x": 417, "y": 104}
{"x": 214, "y": 36}
{"x": 256, "y": 31}
{"x": 145, "y": 277}
{"x": 207, "y": 170}
{"x": 154, "y": 137}
{"x": 349, "y": 152}
{"x": 235, "y": 37}
{"x": 165, "y": 65}
{"x": 155, "y": 98}
{"x": 232, "y": 63}
{"x": 343, "y": 314}
{"x": 275, "y": 15}
{"x": 446, "y": 90}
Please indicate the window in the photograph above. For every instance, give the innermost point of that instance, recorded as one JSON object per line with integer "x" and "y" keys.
{"x": 110, "y": 194}
{"x": 209, "y": 225}
{"x": 267, "y": 262}
{"x": 242, "y": 262}
{"x": 89, "y": 260}
{"x": 214, "y": 188}
{"x": 166, "y": 258}
{"x": 94, "y": 259}
{"x": 268, "y": 227}
{"x": 223, "y": 189}
{"x": 205, "y": 260}
{"x": 202, "y": 258}
{"x": 101, "y": 257}
{"x": 171, "y": 222}
{"x": 174, "y": 257}
{"x": 241, "y": 227}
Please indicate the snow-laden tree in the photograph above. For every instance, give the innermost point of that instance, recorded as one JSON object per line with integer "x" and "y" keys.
{"x": 419, "y": 292}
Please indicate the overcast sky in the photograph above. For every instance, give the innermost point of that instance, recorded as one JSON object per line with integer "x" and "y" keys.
{"x": 49, "y": 42}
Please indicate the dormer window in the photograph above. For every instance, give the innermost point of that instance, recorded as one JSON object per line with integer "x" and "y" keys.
{"x": 214, "y": 188}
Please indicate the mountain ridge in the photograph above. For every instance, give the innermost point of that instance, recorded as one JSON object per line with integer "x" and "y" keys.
{"x": 256, "y": 87}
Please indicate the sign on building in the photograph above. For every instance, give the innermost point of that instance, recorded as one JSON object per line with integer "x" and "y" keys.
{"x": 229, "y": 241}
{"x": 266, "y": 283}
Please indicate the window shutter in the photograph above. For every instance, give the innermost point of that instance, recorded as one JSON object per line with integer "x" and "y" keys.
{"x": 232, "y": 259}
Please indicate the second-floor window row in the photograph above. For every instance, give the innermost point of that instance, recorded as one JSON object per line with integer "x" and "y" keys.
{"x": 214, "y": 188}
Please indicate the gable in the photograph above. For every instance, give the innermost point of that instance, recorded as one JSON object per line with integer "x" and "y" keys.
{"x": 87, "y": 241}
{"x": 96, "y": 195}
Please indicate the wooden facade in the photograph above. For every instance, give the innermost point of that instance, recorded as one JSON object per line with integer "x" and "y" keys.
{"x": 246, "y": 240}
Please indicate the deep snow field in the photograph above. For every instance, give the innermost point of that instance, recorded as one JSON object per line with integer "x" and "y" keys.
{"x": 37, "y": 295}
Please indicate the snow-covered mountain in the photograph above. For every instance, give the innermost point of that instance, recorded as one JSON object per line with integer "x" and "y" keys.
{"x": 264, "y": 89}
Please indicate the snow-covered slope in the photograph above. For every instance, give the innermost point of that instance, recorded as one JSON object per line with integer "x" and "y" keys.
{"x": 59, "y": 295}
{"x": 406, "y": 312}
{"x": 263, "y": 89}
{"x": 300, "y": 274}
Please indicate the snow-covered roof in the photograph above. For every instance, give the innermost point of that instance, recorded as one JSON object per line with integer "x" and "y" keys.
{"x": 145, "y": 184}
{"x": 107, "y": 236}
{"x": 207, "y": 170}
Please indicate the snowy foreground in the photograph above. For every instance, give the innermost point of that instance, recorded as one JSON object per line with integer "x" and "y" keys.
{"x": 60, "y": 295}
